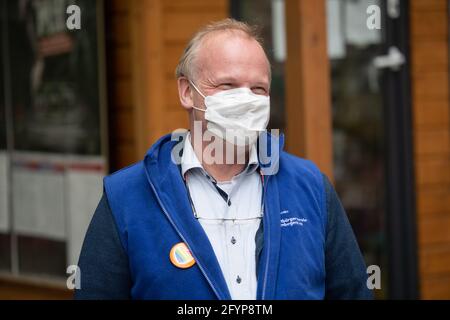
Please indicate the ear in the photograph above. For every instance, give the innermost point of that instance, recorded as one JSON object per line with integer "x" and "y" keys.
{"x": 185, "y": 93}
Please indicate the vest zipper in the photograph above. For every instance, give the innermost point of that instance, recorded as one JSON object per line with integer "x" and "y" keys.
{"x": 268, "y": 245}
{"x": 181, "y": 236}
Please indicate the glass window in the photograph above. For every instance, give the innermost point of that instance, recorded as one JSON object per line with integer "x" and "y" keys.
{"x": 53, "y": 166}
{"x": 5, "y": 244}
{"x": 54, "y": 83}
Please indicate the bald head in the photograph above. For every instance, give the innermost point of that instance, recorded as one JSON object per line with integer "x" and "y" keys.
{"x": 189, "y": 64}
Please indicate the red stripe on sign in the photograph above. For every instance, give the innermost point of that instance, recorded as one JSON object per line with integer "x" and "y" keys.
{"x": 59, "y": 167}
{"x": 86, "y": 167}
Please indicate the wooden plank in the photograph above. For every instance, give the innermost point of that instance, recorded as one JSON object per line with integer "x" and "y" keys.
{"x": 172, "y": 56}
{"x": 196, "y": 5}
{"x": 172, "y": 98}
{"x": 118, "y": 6}
{"x": 433, "y": 172}
{"x": 430, "y": 97}
{"x": 308, "y": 105}
{"x": 147, "y": 52}
{"x": 429, "y": 24}
{"x": 435, "y": 259}
{"x": 125, "y": 154}
{"x": 431, "y": 142}
{"x": 120, "y": 62}
{"x": 435, "y": 287}
{"x": 176, "y": 119}
{"x": 119, "y": 30}
{"x": 120, "y": 94}
{"x": 431, "y": 114}
{"x": 121, "y": 126}
{"x": 434, "y": 230}
{"x": 429, "y": 55}
{"x": 432, "y": 202}
{"x": 179, "y": 27}
{"x": 431, "y": 85}
{"x": 428, "y": 5}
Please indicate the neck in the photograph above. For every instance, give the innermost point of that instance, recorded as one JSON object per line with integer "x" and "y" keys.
{"x": 219, "y": 168}
{"x": 224, "y": 172}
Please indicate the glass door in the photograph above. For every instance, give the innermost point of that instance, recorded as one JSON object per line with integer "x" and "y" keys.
{"x": 372, "y": 135}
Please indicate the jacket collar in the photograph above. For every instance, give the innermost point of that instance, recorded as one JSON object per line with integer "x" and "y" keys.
{"x": 190, "y": 161}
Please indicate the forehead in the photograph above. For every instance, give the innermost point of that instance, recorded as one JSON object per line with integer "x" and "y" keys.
{"x": 232, "y": 55}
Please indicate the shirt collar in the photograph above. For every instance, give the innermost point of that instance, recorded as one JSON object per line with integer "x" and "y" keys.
{"x": 253, "y": 162}
{"x": 190, "y": 161}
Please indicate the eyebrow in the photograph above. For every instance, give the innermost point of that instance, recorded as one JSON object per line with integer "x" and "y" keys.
{"x": 223, "y": 79}
{"x": 234, "y": 80}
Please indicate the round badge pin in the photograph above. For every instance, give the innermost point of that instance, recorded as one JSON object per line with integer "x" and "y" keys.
{"x": 181, "y": 256}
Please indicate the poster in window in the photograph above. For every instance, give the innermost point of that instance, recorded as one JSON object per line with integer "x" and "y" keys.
{"x": 55, "y": 79}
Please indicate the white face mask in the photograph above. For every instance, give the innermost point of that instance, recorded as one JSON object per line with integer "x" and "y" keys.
{"x": 236, "y": 115}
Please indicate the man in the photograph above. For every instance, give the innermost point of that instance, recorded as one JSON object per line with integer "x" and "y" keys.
{"x": 210, "y": 214}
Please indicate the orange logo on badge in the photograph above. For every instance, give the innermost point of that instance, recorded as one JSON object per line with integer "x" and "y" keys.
{"x": 181, "y": 256}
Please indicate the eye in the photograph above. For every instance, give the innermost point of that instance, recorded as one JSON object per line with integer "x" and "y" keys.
{"x": 225, "y": 86}
{"x": 259, "y": 90}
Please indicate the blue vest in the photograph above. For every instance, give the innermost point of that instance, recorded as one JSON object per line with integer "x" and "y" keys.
{"x": 152, "y": 212}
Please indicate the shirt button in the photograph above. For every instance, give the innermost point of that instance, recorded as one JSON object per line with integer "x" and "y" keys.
{"x": 233, "y": 240}
{"x": 238, "y": 279}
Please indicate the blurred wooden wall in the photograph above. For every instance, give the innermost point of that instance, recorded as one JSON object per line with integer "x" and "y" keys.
{"x": 145, "y": 39}
{"x": 431, "y": 130}
{"x": 308, "y": 97}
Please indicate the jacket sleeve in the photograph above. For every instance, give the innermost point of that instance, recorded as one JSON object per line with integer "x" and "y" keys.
{"x": 346, "y": 276}
{"x": 103, "y": 263}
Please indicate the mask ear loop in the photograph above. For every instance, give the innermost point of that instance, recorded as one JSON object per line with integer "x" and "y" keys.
{"x": 196, "y": 89}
